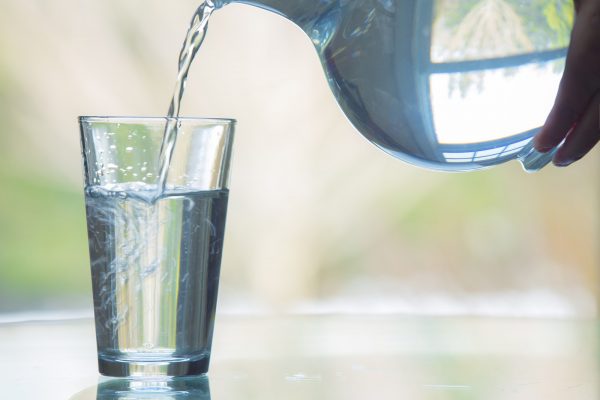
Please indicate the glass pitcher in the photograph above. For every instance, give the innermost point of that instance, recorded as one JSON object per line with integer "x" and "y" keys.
{"x": 452, "y": 85}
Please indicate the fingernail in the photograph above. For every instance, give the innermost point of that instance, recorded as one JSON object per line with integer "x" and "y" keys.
{"x": 563, "y": 163}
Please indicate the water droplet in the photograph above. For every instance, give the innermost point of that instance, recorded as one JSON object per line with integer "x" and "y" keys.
{"x": 129, "y": 149}
{"x": 129, "y": 168}
{"x": 112, "y": 147}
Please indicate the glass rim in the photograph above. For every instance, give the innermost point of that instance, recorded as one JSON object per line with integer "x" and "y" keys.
{"x": 125, "y": 119}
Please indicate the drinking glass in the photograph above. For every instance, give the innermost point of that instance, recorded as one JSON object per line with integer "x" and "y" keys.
{"x": 155, "y": 247}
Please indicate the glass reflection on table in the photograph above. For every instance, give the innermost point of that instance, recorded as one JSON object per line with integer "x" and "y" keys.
{"x": 196, "y": 388}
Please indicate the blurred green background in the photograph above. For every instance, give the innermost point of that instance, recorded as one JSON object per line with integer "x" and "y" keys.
{"x": 319, "y": 220}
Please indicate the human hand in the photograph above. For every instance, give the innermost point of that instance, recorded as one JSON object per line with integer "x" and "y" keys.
{"x": 575, "y": 116}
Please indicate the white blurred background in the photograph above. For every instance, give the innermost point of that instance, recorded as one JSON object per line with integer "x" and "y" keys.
{"x": 319, "y": 219}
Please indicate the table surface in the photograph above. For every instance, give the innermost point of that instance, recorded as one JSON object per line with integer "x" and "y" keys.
{"x": 327, "y": 357}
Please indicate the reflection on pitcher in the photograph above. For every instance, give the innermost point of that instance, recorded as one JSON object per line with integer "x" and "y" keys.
{"x": 444, "y": 84}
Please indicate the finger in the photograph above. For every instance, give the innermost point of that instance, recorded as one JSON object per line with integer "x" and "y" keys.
{"x": 574, "y": 95}
{"x": 580, "y": 81}
{"x": 570, "y": 104}
{"x": 583, "y": 137}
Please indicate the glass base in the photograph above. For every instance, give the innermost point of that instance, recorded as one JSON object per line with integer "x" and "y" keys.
{"x": 128, "y": 368}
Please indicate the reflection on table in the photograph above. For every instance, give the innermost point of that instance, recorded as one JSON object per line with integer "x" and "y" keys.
{"x": 327, "y": 357}
{"x": 196, "y": 388}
